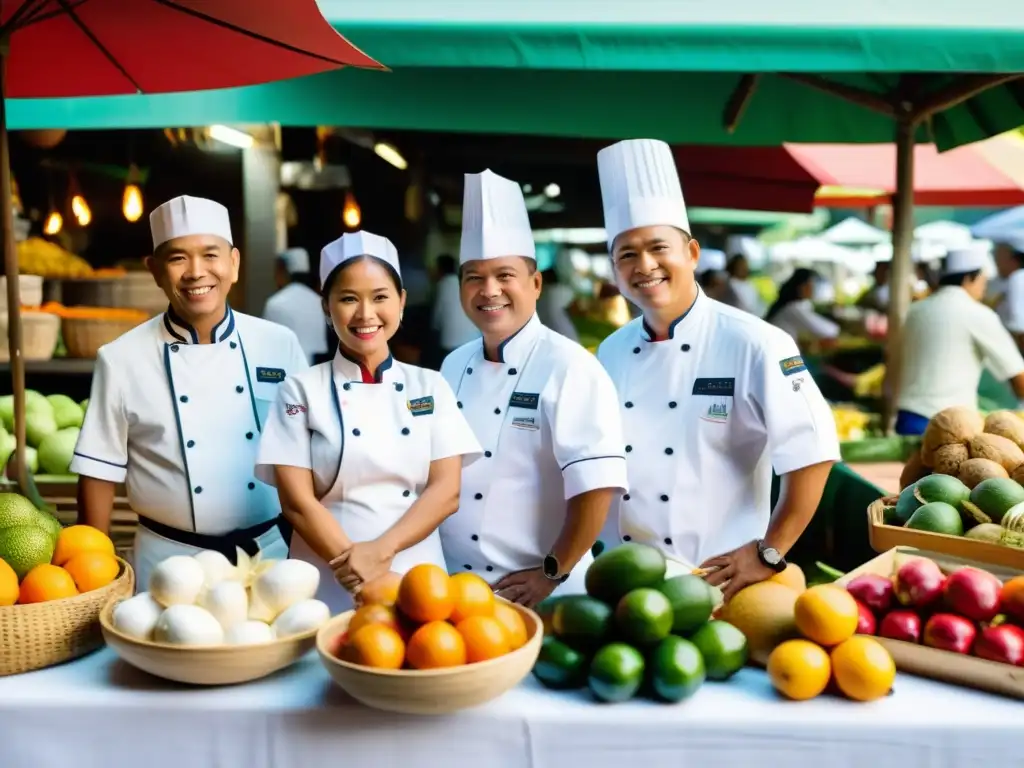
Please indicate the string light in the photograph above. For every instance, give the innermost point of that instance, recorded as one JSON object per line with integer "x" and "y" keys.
{"x": 54, "y": 223}
{"x": 131, "y": 205}
{"x": 350, "y": 213}
{"x": 80, "y": 209}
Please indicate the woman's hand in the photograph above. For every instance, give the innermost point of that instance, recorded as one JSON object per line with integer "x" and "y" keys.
{"x": 361, "y": 563}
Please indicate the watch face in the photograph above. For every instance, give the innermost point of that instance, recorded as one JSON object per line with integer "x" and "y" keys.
{"x": 550, "y": 566}
{"x": 771, "y": 556}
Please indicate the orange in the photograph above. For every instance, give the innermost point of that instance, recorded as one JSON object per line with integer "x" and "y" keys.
{"x": 513, "y": 622}
{"x": 46, "y": 582}
{"x": 863, "y": 669}
{"x": 436, "y": 644}
{"x": 425, "y": 594}
{"x": 92, "y": 570}
{"x": 826, "y": 614}
{"x": 375, "y": 645}
{"x": 473, "y": 597}
{"x": 799, "y": 669}
{"x": 80, "y": 538}
{"x": 376, "y": 614}
{"x": 8, "y": 584}
{"x": 1012, "y": 598}
{"x": 793, "y": 577}
{"x": 485, "y": 636}
{"x": 381, "y": 591}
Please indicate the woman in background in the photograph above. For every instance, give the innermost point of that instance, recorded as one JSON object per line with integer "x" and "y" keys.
{"x": 793, "y": 311}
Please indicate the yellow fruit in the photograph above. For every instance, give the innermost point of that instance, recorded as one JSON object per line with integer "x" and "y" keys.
{"x": 44, "y": 583}
{"x": 793, "y": 577}
{"x": 765, "y": 614}
{"x": 92, "y": 570}
{"x": 8, "y": 584}
{"x": 80, "y": 538}
{"x": 863, "y": 669}
{"x": 799, "y": 669}
{"x": 826, "y": 614}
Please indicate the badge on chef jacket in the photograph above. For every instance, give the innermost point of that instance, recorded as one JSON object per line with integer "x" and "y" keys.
{"x": 270, "y": 375}
{"x": 718, "y": 394}
{"x": 529, "y": 423}
{"x": 792, "y": 365}
{"x": 421, "y": 406}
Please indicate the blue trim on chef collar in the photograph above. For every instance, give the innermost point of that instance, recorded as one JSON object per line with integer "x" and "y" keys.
{"x": 378, "y": 375}
{"x": 650, "y": 335}
{"x": 517, "y": 342}
{"x": 187, "y": 334}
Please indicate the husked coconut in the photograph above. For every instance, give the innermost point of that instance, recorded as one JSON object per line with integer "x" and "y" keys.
{"x": 1001, "y": 450}
{"x": 973, "y": 471}
{"x": 953, "y": 425}
{"x": 948, "y": 459}
{"x": 915, "y": 469}
{"x": 1006, "y": 424}
{"x": 1018, "y": 474}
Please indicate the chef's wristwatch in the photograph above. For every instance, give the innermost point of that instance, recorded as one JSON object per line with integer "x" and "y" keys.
{"x": 552, "y": 568}
{"x": 771, "y": 557}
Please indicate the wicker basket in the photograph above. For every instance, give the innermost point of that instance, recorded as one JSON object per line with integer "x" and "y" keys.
{"x": 30, "y": 289}
{"x": 44, "y": 634}
{"x": 39, "y": 334}
{"x": 83, "y": 336}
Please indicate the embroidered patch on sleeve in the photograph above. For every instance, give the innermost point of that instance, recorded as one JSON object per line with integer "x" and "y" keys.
{"x": 792, "y": 365}
{"x": 270, "y": 375}
{"x": 294, "y": 409}
{"x": 421, "y": 406}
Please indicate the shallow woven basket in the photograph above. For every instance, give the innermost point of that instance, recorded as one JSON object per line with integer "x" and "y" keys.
{"x": 39, "y": 334}
{"x": 83, "y": 336}
{"x": 44, "y": 634}
{"x": 430, "y": 691}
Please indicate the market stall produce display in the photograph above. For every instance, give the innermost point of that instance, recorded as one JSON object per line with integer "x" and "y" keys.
{"x": 52, "y": 424}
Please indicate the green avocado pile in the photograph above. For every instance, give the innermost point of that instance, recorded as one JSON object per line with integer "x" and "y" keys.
{"x": 637, "y": 632}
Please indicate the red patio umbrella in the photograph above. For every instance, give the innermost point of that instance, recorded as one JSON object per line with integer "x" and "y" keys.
{"x": 59, "y": 48}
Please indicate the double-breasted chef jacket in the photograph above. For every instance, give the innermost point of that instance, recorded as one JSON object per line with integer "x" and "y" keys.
{"x": 368, "y": 441}
{"x": 546, "y": 415}
{"x": 706, "y": 414}
{"x": 179, "y": 423}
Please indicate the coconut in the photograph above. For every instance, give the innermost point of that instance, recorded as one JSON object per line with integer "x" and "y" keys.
{"x": 914, "y": 470}
{"x": 973, "y": 471}
{"x": 953, "y": 425}
{"x": 1018, "y": 474}
{"x": 1001, "y": 450}
{"x": 1006, "y": 424}
{"x": 948, "y": 458}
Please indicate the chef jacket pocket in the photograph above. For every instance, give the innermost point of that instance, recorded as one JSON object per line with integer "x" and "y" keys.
{"x": 715, "y": 419}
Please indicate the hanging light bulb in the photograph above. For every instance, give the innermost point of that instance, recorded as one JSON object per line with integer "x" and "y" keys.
{"x": 351, "y": 214}
{"x": 54, "y": 223}
{"x": 131, "y": 204}
{"x": 81, "y": 210}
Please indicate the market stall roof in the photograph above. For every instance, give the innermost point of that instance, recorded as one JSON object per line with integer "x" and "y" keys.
{"x": 860, "y": 175}
{"x": 854, "y": 232}
{"x": 1003, "y": 227}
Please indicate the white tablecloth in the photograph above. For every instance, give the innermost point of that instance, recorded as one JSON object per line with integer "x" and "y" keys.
{"x": 100, "y": 713}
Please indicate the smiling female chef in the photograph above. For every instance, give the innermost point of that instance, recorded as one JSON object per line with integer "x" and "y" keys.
{"x": 366, "y": 452}
{"x": 177, "y": 404}
{"x": 711, "y": 396}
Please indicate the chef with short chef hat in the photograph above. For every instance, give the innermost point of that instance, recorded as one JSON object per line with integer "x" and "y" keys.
{"x": 178, "y": 404}
{"x": 712, "y": 398}
{"x": 543, "y": 409}
{"x": 366, "y": 452}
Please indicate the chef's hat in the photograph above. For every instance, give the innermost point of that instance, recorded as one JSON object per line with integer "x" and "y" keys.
{"x": 711, "y": 259}
{"x": 495, "y": 223}
{"x": 640, "y": 187}
{"x": 185, "y": 216}
{"x": 295, "y": 260}
{"x": 353, "y": 245}
{"x": 967, "y": 258}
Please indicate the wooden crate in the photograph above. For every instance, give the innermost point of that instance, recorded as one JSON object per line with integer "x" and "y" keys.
{"x": 884, "y": 537}
{"x": 955, "y": 668}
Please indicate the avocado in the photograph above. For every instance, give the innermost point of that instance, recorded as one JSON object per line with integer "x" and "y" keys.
{"x": 993, "y": 498}
{"x": 616, "y": 673}
{"x": 582, "y": 622}
{"x": 905, "y": 507}
{"x": 723, "y": 648}
{"x": 620, "y": 570}
{"x": 937, "y": 517}
{"x": 560, "y": 667}
{"x": 546, "y": 610}
{"x": 941, "y": 488}
{"x": 675, "y": 669}
{"x": 644, "y": 616}
{"x": 692, "y": 601}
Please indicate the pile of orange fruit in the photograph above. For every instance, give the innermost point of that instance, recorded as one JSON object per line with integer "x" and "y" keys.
{"x": 427, "y": 619}
{"x": 83, "y": 560}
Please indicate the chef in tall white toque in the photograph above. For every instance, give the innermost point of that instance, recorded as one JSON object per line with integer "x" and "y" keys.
{"x": 712, "y": 397}
{"x": 178, "y": 403}
{"x": 366, "y": 452}
{"x": 542, "y": 407}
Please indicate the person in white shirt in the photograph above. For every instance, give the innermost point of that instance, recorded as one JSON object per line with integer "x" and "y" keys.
{"x": 366, "y": 452}
{"x": 1010, "y": 301}
{"x": 451, "y": 324}
{"x": 711, "y": 397}
{"x": 745, "y": 291}
{"x": 178, "y": 404}
{"x": 793, "y": 310}
{"x": 296, "y": 305}
{"x": 541, "y": 406}
{"x": 948, "y": 338}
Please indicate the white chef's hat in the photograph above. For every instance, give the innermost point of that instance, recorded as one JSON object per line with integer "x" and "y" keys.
{"x": 185, "y": 216}
{"x": 296, "y": 260}
{"x": 352, "y": 245}
{"x": 495, "y": 223}
{"x": 640, "y": 187}
{"x": 967, "y": 258}
{"x": 711, "y": 259}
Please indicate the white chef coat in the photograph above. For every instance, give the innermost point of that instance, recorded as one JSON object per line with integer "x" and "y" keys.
{"x": 547, "y": 416}
{"x": 748, "y": 297}
{"x": 799, "y": 319}
{"x": 369, "y": 447}
{"x": 450, "y": 319}
{"x": 947, "y": 339}
{"x": 707, "y": 413}
{"x": 179, "y": 422}
{"x": 298, "y": 307}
